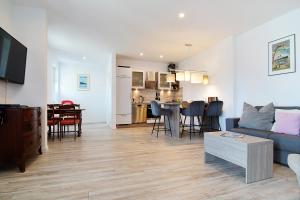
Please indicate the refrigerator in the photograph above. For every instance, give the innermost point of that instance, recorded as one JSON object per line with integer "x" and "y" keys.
{"x": 124, "y": 83}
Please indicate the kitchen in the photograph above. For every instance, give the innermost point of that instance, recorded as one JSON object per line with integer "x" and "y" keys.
{"x": 139, "y": 83}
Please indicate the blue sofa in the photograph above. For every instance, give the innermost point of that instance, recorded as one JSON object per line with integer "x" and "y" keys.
{"x": 283, "y": 144}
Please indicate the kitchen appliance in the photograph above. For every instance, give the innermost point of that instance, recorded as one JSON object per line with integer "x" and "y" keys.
{"x": 141, "y": 99}
{"x": 139, "y": 113}
{"x": 123, "y": 111}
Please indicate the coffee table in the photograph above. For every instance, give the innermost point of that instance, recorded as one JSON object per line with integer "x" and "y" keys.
{"x": 252, "y": 153}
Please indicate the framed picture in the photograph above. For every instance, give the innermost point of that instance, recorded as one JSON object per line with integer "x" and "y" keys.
{"x": 162, "y": 81}
{"x": 83, "y": 81}
{"x": 282, "y": 58}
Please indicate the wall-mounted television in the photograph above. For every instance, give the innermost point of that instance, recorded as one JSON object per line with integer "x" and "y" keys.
{"x": 13, "y": 56}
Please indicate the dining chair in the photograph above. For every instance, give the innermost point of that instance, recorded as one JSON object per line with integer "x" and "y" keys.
{"x": 67, "y": 102}
{"x": 52, "y": 121}
{"x": 194, "y": 109}
{"x": 69, "y": 118}
{"x": 158, "y": 112}
{"x": 214, "y": 111}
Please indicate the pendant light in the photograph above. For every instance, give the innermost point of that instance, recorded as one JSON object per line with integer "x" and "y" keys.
{"x": 180, "y": 76}
{"x": 187, "y": 76}
{"x": 196, "y": 77}
{"x": 171, "y": 78}
{"x": 205, "y": 79}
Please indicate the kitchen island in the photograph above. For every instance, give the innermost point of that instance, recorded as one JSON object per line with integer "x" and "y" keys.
{"x": 174, "y": 118}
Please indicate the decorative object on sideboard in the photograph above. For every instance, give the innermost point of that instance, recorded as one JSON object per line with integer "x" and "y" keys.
{"x": 83, "y": 82}
{"x": 282, "y": 58}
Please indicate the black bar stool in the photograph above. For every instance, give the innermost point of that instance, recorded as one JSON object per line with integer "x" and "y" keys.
{"x": 157, "y": 112}
{"x": 195, "y": 109}
{"x": 214, "y": 111}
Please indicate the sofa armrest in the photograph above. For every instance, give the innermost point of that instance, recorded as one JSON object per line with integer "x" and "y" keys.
{"x": 232, "y": 123}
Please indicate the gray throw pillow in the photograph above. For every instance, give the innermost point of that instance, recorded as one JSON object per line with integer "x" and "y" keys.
{"x": 261, "y": 119}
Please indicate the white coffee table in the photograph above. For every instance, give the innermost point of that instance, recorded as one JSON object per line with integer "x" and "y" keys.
{"x": 252, "y": 153}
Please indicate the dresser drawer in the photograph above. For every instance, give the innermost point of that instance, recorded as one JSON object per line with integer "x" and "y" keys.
{"x": 31, "y": 115}
{"x": 31, "y": 143}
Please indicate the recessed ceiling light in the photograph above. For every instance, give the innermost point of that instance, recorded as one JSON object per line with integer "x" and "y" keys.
{"x": 141, "y": 54}
{"x": 83, "y": 57}
{"x": 181, "y": 15}
{"x": 161, "y": 56}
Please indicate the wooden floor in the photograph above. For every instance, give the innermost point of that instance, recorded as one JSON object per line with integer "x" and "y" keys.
{"x": 129, "y": 163}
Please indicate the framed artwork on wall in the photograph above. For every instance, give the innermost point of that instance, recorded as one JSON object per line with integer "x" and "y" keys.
{"x": 282, "y": 58}
{"x": 83, "y": 82}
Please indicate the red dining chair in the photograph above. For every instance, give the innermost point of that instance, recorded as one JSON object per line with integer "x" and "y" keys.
{"x": 69, "y": 118}
{"x": 67, "y": 102}
{"x": 52, "y": 121}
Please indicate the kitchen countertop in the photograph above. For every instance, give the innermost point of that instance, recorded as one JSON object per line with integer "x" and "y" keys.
{"x": 146, "y": 102}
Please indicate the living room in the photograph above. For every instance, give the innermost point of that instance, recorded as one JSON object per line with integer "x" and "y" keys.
{"x": 242, "y": 53}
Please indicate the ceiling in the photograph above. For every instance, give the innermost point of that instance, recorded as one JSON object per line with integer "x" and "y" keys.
{"x": 128, "y": 27}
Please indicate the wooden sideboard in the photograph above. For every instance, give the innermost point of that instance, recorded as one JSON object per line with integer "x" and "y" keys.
{"x": 20, "y": 134}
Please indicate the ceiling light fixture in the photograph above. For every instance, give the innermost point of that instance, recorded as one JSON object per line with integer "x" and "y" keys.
{"x": 141, "y": 54}
{"x": 83, "y": 57}
{"x": 161, "y": 56}
{"x": 181, "y": 15}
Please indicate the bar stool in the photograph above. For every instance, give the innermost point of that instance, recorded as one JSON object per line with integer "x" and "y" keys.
{"x": 157, "y": 112}
{"x": 195, "y": 109}
{"x": 214, "y": 111}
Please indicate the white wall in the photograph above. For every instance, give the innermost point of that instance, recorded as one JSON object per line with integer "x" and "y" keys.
{"x": 253, "y": 84}
{"x": 142, "y": 65}
{"x": 53, "y": 74}
{"x": 5, "y": 23}
{"x": 111, "y": 92}
{"x": 238, "y": 69}
{"x": 218, "y": 61}
{"x": 29, "y": 26}
{"x": 93, "y": 100}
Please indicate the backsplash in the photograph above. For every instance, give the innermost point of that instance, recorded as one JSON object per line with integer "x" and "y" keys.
{"x": 149, "y": 95}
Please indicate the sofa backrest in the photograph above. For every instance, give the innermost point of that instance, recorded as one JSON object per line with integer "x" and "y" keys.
{"x": 283, "y": 107}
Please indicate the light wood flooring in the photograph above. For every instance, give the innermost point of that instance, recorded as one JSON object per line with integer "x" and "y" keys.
{"x": 129, "y": 163}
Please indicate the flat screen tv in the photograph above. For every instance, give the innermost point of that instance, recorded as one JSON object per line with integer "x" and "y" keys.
{"x": 13, "y": 56}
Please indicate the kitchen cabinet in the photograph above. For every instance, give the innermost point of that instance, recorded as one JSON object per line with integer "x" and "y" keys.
{"x": 138, "y": 79}
{"x": 162, "y": 81}
{"x": 139, "y": 113}
{"x": 123, "y": 109}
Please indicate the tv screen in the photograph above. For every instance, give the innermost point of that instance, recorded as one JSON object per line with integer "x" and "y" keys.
{"x": 12, "y": 58}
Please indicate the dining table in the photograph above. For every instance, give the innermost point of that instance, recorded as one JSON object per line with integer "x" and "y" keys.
{"x": 174, "y": 118}
{"x": 61, "y": 111}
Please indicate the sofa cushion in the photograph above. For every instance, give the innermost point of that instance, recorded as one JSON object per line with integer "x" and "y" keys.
{"x": 287, "y": 122}
{"x": 290, "y": 143}
{"x": 252, "y": 132}
{"x": 261, "y": 119}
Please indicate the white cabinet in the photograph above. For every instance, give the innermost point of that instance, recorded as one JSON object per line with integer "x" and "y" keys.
{"x": 124, "y": 72}
{"x": 123, "y": 107}
{"x": 162, "y": 81}
{"x": 138, "y": 79}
